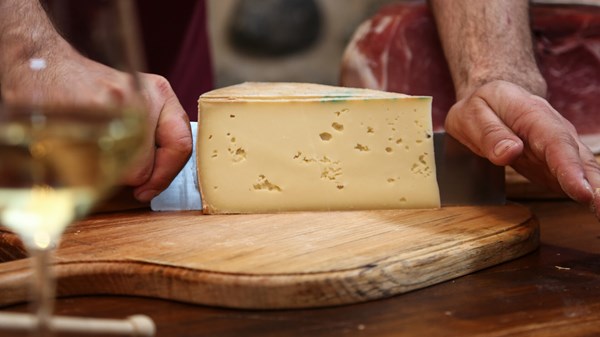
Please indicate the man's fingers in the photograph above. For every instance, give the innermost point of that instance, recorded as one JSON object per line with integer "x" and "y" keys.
{"x": 592, "y": 173}
{"x": 553, "y": 148}
{"x": 173, "y": 139}
{"x": 590, "y": 165}
{"x": 509, "y": 125}
{"x": 563, "y": 160}
{"x": 141, "y": 169}
{"x": 596, "y": 203}
{"x": 168, "y": 161}
{"x": 476, "y": 125}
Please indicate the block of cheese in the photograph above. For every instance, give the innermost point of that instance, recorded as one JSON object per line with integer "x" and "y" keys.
{"x": 280, "y": 147}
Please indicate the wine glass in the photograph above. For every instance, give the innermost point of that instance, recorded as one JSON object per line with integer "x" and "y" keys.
{"x": 71, "y": 121}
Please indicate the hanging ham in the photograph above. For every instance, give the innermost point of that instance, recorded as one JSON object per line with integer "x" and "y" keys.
{"x": 398, "y": 50}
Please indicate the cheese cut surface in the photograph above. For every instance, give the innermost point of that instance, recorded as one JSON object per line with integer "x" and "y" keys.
{"x": 279, "y": 147}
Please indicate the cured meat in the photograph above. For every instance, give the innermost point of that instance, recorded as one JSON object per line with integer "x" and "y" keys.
{"x": 398, "y": 50}
{"x": 567, "y": 45}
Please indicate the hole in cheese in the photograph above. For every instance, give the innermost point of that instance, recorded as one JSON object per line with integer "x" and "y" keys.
{"x": 325, "y": 136}
{"x": 362, "y": 148}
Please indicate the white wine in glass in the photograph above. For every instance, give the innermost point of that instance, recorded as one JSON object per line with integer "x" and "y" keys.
{"x": 71, "y": 122}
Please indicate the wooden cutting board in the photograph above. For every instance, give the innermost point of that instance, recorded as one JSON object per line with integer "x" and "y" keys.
{"x": 294, "y": 260}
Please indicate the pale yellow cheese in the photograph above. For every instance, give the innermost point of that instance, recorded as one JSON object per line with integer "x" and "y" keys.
{"x": 278, "y": 147}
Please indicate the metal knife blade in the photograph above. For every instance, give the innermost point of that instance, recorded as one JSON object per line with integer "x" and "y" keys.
{"x": 465, "y": 178}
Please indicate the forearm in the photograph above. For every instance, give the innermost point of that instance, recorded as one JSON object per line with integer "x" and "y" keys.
{"x": 25, "y": 32}
{"x": 485, "y": 41}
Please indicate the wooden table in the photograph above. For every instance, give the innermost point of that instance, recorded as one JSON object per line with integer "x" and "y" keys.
{"x": 554, "y": 291}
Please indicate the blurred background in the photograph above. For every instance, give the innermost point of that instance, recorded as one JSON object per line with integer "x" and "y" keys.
{"x": 286, "y": 40}
{"x": 259, "y": 40}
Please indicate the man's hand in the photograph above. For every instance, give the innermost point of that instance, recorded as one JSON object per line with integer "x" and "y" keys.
{"x": 510, "y": 126}
{"x": 71, "y": 79}
{"x": 500, "y": 111}
{"x": 170, "y": 143}
{"x": 75, "y": 80}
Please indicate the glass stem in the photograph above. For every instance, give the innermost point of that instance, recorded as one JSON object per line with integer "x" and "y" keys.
{"x": 43, "y": 290}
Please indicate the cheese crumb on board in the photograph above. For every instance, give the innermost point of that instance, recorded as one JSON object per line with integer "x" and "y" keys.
{"x": 281, "y": 147}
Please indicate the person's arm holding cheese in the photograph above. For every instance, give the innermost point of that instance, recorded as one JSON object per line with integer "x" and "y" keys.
{"x": 501, "y": 112}
{"x": 26, "y": 33}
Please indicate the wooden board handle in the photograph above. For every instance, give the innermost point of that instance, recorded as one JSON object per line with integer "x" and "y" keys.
{"x": 137, "y": 325}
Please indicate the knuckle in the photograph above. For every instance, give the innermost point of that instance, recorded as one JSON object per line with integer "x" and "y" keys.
{"x": 162, "y": 181}
{"x": 162, "y": 85}
{"x": 492, "y": 130}
{"x": 591, "y": 165}
{"x": 537, "y": 118}
{"x": 184, "y": 145}
{"x": 567, "y": 139}
{"x": 537, "y": 104}
{"x": 180, "y": 141}
{"x": 139, "y": 176}
{"x": 465, "y": 111}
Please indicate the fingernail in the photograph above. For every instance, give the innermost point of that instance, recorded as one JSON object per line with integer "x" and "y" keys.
{"x": 588, "y": 186}
{"x": 503, "y": 146}
{"x": 146, "y": 195}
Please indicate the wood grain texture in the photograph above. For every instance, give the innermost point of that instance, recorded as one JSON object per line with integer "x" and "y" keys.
{"x": 295, "y": 260}
{"x": 553, "y": 291}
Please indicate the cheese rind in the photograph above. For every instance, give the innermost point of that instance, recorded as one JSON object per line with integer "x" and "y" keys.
{"x": 278, "y": 147}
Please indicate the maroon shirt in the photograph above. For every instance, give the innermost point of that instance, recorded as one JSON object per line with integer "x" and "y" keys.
{"x": 175, "y": 38}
